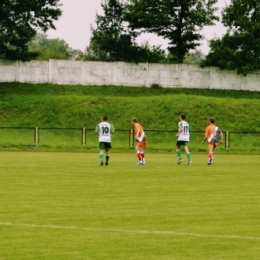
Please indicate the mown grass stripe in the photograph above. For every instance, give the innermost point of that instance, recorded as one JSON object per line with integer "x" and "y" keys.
{"x": 149, "y": 232}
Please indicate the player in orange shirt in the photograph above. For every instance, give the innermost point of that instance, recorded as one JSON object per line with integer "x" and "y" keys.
{"x": 212, "y": 134}
{"x": 141, "y": 141}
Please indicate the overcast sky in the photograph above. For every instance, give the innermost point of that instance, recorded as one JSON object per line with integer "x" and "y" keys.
{"x": 77, "y": 16}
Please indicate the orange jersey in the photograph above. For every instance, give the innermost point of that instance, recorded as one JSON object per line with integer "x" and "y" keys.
{"x": 139, "y": 132}
{"x": 212, "y": 133}
{"x": 209, "y": 130}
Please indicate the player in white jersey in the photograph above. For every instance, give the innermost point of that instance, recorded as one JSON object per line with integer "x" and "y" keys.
{"x": 183, "y": 136}
{"x": 104, "y": 130}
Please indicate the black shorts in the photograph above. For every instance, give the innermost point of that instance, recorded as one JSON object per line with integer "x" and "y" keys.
{"x": 104, "y": 145}
{"x": 182, "y": 143}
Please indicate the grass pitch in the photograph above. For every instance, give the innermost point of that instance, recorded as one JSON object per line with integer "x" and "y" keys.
{"x": 66, "y": 206}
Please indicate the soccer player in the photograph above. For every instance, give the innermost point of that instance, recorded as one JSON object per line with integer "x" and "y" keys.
{"x": 141, "y": 141}
{"x": 104, "y": 130}
{"x": 183, "y": 136}
{"x": 212, "y": 134}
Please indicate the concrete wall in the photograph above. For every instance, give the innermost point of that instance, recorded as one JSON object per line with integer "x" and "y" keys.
{"x": 125, "y": 74}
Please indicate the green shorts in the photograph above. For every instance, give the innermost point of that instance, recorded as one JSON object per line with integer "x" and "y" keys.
{"x": 182, "y": 143}
{"x": 104, "y": 145}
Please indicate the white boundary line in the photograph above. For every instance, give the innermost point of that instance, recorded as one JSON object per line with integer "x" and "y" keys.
{"x": 170, "y": 233}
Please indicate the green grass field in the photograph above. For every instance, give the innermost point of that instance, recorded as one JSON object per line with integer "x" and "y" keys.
{"x": 66, "y": 206}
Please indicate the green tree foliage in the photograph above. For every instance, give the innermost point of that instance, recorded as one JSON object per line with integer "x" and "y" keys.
{"x": 194, "y": 57}
{"x": 152, "y": 54}
{"x": 95, "y": 52}
{"x": 112, "y": 40}
{"x": 20, "y": 20}
{"x": 146, "y": 53}
{"x": 239, "y": 48}
{"x": 180, "y": 22}
{"x": 49, "y": 48}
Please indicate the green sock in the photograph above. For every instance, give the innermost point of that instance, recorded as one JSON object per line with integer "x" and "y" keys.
{"x": 101, "y": 156}
{"x": 178, "y": 152}
{"x": 189, "y": 156}
{"x": 107, "y": 158}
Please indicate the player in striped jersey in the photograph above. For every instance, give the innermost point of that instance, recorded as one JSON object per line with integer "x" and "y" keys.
{"x": 212, "y": 133}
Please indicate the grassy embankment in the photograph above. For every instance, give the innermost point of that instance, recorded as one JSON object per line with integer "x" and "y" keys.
{"x": 54, "y": 106}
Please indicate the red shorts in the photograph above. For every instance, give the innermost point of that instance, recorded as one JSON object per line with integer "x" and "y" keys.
{"x": 141, "y": 144}
{"x": 212, "y": 145}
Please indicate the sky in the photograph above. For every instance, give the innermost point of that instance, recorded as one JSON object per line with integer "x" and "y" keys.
{"x": 78, "y": 15}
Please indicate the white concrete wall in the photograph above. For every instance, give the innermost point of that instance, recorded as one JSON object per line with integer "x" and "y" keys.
{"x": 125, "y": 74}
{"x": 8, "y": 70}
{"x": 33, "y": 71}
{"x": 192, "y": 76}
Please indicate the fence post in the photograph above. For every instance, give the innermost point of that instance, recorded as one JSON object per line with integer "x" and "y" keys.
{"x": 83, "y": 136}
{"x": 36, "y": 135}
{"x": 227, "y": 140}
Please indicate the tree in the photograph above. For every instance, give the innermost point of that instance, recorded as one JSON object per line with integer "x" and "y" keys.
{"x": 94, "y": 52}
{"x": 146, "y": 53}
{"x": 20, "y": 20}
{"x": 112, "y": 36}
{"x": 113, "y": 40}
{"x": 180, "y": 22}
{"x": 49, "y": 48}
{"x": 239, "y": 48}
{"x": 152, "y": 54}
{"x": 194, "y": 57}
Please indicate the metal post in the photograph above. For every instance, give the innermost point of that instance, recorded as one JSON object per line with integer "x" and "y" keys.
{"x": 227, "y": 140}
{"x": 36, "y": 135}
{"x": 83, "y": 136}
